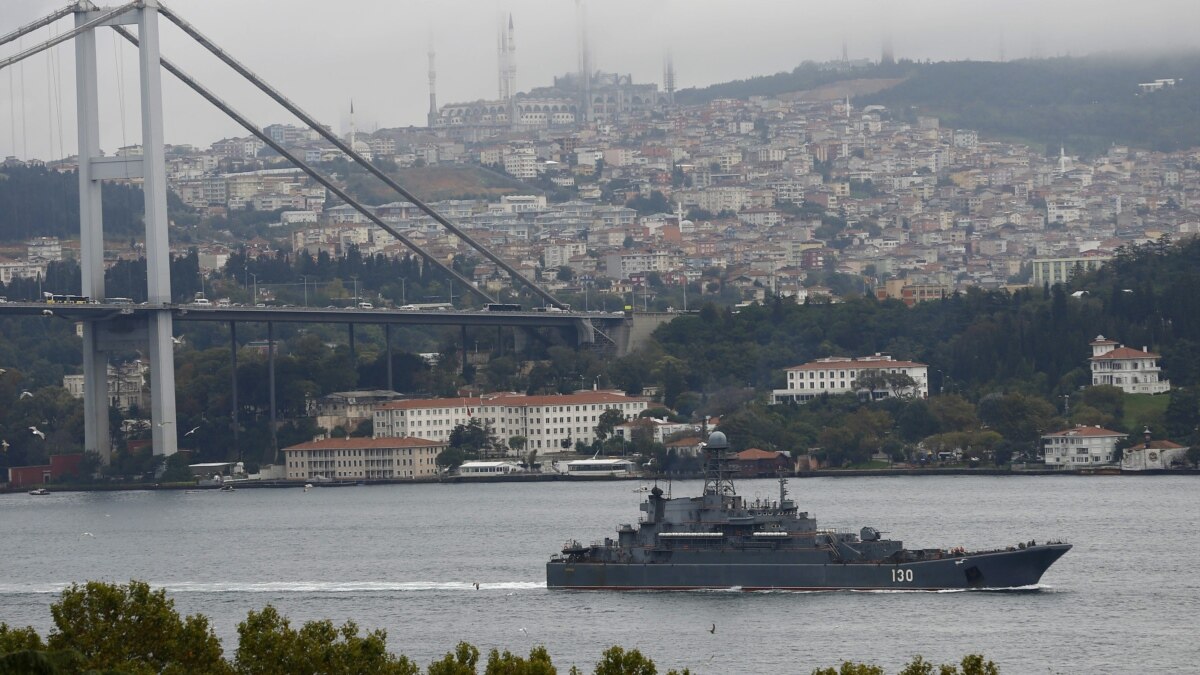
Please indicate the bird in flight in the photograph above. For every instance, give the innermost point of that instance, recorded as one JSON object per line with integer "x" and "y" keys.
{"x": 26, "y": 394}
{"x": 38, "y": 432}
{"x": 47, "y": 312}
{"x": 4, "y": 445}
{"x": 713, "y": 629}
{"x": 177, "y": 340}
{"x": 193, "y": 430}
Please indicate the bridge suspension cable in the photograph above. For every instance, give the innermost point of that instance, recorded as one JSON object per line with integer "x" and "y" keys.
{"x": 279, "y": 98}
{"x": 313, "y": 173}
{"x": 63, "y": 37}
{"x": 30, "y": 27}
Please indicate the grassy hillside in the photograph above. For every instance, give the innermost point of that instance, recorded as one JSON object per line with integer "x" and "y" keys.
{"x": 1085, "y": 103}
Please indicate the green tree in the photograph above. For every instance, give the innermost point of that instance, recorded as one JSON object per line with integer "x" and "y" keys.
{"x": 849, "y": 668}
{"x": 608, "y": 419}
{"x": 617, "y": 661}
{"x": 133, "y": 629}
{"x": 461, "y": 661}
{"x": 267, "y": 644}
{"x": 13, "y": 639}
{"x": 1183, "y": 413}
{"x": 450, "y": 458}
{"x": 538, "y": 663}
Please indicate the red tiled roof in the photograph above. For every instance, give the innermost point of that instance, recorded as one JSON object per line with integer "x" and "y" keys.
{"x": 367, "y": 443}
{"x": 860, "y": 364}
{"x": 515, "y": 400}
{"x": 1090, "y": 432}
{"x": 1160, "y": 445}
{"x": 1125, "y": 353}
{"x": 755, "y": 453}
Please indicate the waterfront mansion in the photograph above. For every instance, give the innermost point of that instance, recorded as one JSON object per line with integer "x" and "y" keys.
{"x": 1133, "y": 371}
{"x": 841, "y": 375}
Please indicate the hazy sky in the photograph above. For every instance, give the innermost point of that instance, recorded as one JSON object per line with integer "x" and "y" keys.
{"x": 322, "y": 54}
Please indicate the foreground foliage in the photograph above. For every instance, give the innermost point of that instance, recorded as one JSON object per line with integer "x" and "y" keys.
{"x": 102, "y": 628}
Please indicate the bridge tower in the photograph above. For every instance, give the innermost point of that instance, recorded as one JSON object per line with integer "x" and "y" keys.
{"x": 98, "y": 339}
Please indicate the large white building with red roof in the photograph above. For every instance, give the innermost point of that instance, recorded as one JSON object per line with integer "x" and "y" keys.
{"x": 1133, "y": 371}
{"x": 840, "y": 375}
{"x": 547, "y": 422}
{"x": 1081, "y": 446}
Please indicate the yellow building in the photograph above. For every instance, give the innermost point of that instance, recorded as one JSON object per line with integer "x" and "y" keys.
{"x": 363, "y": 458}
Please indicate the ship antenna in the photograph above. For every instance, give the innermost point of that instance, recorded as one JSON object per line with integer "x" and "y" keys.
{"x": 718, "y": 472}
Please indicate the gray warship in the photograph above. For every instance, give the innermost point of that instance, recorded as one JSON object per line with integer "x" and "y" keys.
{"x": 720, "y": 540}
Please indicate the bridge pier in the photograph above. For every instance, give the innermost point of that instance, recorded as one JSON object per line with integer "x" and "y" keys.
{"x": 271, "y": 385}
{"x": 96, "y": 436}
{"x": 387, "y": 340}
{"x": 233, "y": 347}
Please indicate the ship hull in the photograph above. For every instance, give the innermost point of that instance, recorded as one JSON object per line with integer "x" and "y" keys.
{"x": 990, "y": 570}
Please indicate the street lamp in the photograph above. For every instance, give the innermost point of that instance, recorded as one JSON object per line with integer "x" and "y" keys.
{"x": 355, "y": 278}
{"x": 304, "y": 278}
{"x": 254, "y": 300}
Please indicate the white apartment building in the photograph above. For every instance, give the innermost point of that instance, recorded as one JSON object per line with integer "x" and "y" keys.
{"x": 521, "y": 163}
{"x": 839, "y": 375}
{"x": 1060, "y": 270}
{"x": 362, "y": 458}
{"x": 622, "y": 265}
{"x": 1133, "y": 371}
{"x": 546, "y": 422}
{"x": 1081, "y": 446}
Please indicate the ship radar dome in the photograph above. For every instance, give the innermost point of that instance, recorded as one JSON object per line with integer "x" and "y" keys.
{"x": 717, "y": 441}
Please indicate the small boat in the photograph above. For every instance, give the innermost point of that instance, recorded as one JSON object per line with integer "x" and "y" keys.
{"x": 307, "y": 487}
{"x": 226, "y": 488}
{"x": 38, "y": 492}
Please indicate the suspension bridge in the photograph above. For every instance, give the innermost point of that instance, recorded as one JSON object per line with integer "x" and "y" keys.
{"x": 111, "y": 327}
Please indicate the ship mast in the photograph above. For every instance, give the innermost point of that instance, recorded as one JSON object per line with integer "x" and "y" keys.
{"x": 718, "y": 466}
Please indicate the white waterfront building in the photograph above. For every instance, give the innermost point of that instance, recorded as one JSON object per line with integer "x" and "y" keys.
{"x": 1133, "y": 371}
{"x": 1081, "y": 446}
{"x": 546, "y": 422}
{"x": 839, "y": 375}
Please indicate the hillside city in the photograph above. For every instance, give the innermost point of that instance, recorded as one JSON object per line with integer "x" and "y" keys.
{"x": 625, "y": 192}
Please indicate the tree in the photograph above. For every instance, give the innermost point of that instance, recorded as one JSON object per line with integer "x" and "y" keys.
{"x": 608, "y": 420}
{"x": 268, "y": 644}
{"x": 133, "y": 629}
{"x": 507, "y": 663}
{"x": 450, "y": 458}
{"x": 459, "y": 662}
{"x": 617, "y": 661}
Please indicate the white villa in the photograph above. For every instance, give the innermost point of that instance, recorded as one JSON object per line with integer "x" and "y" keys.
{"x": 1081, "y": 446}
{"x": 1133, "y": 371}
{"x": 838, "y": 375}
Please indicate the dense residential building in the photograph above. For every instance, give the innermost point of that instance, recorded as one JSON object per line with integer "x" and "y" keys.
{"x": 1133, "y": 371}
{"x": 362, "y": 458}
{"x": 548, "y": 423}
{"x": 843, "y": 375}
{"x": 1081, "y": 446}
